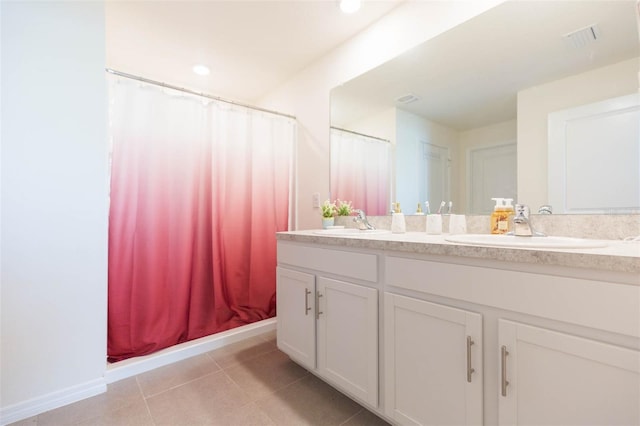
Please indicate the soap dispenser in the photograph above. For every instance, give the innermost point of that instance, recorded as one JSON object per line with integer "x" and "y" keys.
{"x": 510, "y": 213}
{"x": 500, "y": 217}
{"x": 398, "y": 225}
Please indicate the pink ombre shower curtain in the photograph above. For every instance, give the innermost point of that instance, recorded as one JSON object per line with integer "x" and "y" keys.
{"x": 360, "y": 171}
{"x": 198, "y": 191}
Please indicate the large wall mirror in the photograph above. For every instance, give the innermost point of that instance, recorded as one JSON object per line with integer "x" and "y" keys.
{"x": 464, "y": 117}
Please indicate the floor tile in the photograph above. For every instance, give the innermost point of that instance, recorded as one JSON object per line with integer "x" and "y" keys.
{"x": 132, "y": 415}
{"x": 119, "y": 394}
{"x": 269, "y": 336}
{"x": 200, "y": 402}
{"x": 241, "y": 351}
{"x": 265, "y": 374}
{"x": 179, "y": 373}
{"x": 249, "y": 415}
{"x": 309, "y": 401}
{"x": 365, "y": 418}
{"x": 259, "y": 386}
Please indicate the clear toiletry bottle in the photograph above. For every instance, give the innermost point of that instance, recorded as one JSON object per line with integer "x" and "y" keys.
{"x": 500, "y": 217}
{"x": 398, "y": 225}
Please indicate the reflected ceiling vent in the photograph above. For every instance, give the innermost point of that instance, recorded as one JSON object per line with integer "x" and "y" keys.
{"x": 407, "y": 99}
{"x": 583, "y": 36}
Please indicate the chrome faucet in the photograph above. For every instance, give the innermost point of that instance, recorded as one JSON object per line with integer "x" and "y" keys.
{"x": 522, "y": 224}
{"x": 361, "y": 220}
{"x": 545, "y": 209}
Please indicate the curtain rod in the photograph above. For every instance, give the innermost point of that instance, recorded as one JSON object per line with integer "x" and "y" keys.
{"x": 361, "y": 134}
{"x": 204, "y": 95}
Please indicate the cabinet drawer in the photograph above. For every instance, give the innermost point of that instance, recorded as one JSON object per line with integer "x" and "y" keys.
{"x": 595, "y": 304}
{"x": 346, "y": 263}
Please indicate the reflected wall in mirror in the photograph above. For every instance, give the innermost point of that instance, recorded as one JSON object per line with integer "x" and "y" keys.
{"x": 466, "y": 113}
{"x": 360, "y": 170}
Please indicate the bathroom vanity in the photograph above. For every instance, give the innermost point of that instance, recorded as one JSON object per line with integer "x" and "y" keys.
{"x": 423, "y": 331}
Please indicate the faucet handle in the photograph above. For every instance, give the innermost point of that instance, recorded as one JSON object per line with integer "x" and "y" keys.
{"x": 522, "y": 210}
{"x": 545, "y": 209}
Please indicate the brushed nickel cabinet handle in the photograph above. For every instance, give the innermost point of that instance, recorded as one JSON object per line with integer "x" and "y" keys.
{"x": 505, "y": 383}
{"x": 318, "y": 311}
{"x": 307, "y": 308}
{"x": 470, "y": 370}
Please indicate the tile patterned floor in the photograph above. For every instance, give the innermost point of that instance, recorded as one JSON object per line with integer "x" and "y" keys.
{"x": 247, "y": 383}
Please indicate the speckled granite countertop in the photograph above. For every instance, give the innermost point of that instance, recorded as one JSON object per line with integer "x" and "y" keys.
{"x": 617, "y": 256}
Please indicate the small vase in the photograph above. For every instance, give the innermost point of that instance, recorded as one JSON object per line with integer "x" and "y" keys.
{"x": 327, "y": 222}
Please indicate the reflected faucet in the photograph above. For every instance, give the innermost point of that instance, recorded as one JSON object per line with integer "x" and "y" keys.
{"x": 361, "y": 220}
{"x": 522, "y": 224}
{"x": 545, "y": 209}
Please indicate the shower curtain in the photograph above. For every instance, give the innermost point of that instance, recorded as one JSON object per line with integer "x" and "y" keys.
{"x": 360, "y": 170}
{"x": 198, "y": 190}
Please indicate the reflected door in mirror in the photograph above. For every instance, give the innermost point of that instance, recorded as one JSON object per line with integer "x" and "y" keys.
{"x": 594, "y": 157}
{"x": 492, "y": 174}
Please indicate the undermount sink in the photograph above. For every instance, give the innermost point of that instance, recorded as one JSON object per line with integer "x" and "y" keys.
{"x": 350, "y": 231}
{"x": 524, "y": 242}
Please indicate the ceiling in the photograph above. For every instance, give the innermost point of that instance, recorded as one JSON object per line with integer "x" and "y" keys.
{"x": 251, "y": 47}
{"x": 469, "y": 76}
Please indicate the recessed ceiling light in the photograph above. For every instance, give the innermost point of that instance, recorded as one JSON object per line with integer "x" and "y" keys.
{"x": 201, "y": 70}
{"x": 349, "y": 6}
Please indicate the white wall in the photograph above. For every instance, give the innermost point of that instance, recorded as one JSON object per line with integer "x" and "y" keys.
{"x": 54, "y": 205}
{"x": 307, "y": 94}
{"x": 534, "y": 106}
{"x": 381, "y": 125}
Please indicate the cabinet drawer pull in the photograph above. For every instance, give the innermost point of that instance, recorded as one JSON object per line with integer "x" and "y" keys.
{"x": 307, "y": 308}
{"x": 505, "y": 383}
{"x": 318, "y": 311}
{"x": 470, "y": 370}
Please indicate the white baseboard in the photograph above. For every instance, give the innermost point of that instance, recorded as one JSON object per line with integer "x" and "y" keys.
{"x": 35, "y": 406}
{"x": 131, "y": 367}
{"x": 134, "y": 366}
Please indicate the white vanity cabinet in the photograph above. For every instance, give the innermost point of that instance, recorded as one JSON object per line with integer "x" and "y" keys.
{"x": 296, "y": 328}
{"x": 348, "y": 337}
{"x": 554, "y": 345}
{"x": 327, "y": 321}
{"x": 547, "y": 377}
{"x": 458, "y": 337}
{"x": 433, "y": 363}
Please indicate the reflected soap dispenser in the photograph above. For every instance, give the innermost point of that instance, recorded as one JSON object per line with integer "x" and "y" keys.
{"x": 398, "y": 224}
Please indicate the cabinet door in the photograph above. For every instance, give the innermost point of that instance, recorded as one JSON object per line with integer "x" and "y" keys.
{"x": 296, "y": 316}
{"x": 553, "y": 378}
{"x": 433, "y": 363}
{"x": 348, "y": 337}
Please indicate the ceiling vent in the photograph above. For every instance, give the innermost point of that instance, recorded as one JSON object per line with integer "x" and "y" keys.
{"x": 583, "y": 36}
{"x": 407, "y": 99}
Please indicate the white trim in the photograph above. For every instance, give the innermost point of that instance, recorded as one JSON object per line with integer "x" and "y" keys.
{"x": 133, "y": 366}
{"x": 50, "y": 401}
